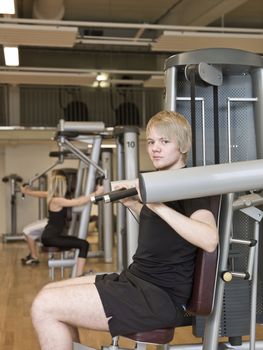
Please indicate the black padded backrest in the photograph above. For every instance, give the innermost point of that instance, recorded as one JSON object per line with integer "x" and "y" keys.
{"x": 202, "y": 299}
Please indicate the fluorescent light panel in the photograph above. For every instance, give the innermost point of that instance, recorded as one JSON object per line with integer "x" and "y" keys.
{"x": 185, "y": 41}
{"x": 46, "y": 78}
{"x": 7, "y": 7}
{"x": 11, "y": 55}
{"x": 37, "y": 35}
{"x": 102, "y": 84}
{"x": 102, "y": 77}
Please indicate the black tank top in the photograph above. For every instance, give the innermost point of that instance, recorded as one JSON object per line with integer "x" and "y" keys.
{"x": 56, "y": 223}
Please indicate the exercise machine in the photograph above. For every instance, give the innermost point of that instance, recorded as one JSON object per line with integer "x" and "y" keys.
{"x": 68, "y": 136}
{"x": 89, "y": 133}
{"x": 14, "y": 181}
{"x": 249, "y": 180}
{"x": 220, "y": 91}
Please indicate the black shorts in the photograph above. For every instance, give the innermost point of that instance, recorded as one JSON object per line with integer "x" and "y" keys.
{"x": 135, "y": 305}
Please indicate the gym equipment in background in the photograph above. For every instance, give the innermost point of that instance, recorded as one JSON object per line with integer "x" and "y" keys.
{"x": 13, "y": 180}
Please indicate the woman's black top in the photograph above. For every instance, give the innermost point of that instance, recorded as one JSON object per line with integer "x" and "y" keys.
{"x": 56, "y": 223}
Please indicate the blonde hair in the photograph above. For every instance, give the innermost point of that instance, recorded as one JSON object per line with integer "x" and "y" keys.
{"x": 57, "y": 187}
{"x": 174, "y": 126}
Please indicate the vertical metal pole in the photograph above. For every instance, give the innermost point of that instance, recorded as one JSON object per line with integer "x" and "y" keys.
{"x": 253, "y": 314}
{"x": 257, "y": 87}
{"x": 213, "y": 321}
{"x": 80, "y": 176}
{"x": 193, "y": 114}
{"x": 121, "y": 212}
{"x": 170, "y": 92}
{"x": 216, "y": 125}
{"x": 229, "y": 131}
{"x": 42, "y": 202}
{"x": 100, "y": 226}
{"x": 106, "y": 161}
{"x": 85, "y": 214}
{"x": 13, "y": 206}
{"x": 78, "y": 190}
{"x": 203, "y": 132}
{"x": 131, "y": 172}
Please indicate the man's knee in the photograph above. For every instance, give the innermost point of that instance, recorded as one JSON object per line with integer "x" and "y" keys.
{"x": 39, "y": 305}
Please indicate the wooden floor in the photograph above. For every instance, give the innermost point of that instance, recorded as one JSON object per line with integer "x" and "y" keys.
{"x": 19, "y": 285}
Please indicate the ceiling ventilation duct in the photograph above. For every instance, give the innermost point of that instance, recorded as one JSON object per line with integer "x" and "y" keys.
{"x": 49, "y": 9}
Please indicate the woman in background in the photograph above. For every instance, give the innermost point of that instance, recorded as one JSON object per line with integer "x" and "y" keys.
{"x": 53, "y": 234}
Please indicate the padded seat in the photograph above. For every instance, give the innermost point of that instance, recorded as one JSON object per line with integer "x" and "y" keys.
{"x": 157, "y": 336}
{"x": 45, "y": 249}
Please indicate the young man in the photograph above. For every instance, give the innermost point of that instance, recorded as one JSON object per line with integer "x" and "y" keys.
{"x": 153, "y": 291}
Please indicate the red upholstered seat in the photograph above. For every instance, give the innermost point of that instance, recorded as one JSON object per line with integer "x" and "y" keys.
{"x": 157, "y": 336}
{"x": 45, "y": 249}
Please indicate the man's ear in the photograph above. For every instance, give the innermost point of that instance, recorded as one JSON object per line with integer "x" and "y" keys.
{"x": 186, "y": 148}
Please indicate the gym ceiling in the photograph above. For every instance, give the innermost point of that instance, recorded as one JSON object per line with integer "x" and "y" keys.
{"x": 72, "y": 41}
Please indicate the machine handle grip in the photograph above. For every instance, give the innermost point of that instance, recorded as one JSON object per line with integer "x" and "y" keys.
{"x": 119, "y": 194}
{"x": 96, "y": 199}
{"x": 24, "y": 184}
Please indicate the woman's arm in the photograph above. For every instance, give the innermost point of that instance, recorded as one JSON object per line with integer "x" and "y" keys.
{"x": 199, "y": 229}
{"x": 76, "y": 202}
{"x": 73, "y": 202}
{"x": 29, "y": 192}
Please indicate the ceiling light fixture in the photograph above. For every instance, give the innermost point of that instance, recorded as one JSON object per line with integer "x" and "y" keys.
{"x": 101, "y": 83}
{"x": 7, "y": 7}
{"x": 11, "y": 55}
{"x": 187, "y": 40}
{"x": 102, "y": 77}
